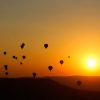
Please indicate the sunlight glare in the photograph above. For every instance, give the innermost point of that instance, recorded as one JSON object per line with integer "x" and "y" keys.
{"x": 91, "y": 64}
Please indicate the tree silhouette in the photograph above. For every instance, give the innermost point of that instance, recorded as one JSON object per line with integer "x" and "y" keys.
{"x": 50, "y": 68}
{"x": 34, "y": 75}
{"x": 61, "y": 62}
{"x": 46, "y": 45}
{"x": 79, "y": 83}
{"x": 6, "y": 67}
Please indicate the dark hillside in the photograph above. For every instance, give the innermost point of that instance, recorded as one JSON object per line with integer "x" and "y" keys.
{"x": 41, "y": 89}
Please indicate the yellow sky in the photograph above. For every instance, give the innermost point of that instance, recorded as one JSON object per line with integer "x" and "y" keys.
{"x": 70, "y": 27}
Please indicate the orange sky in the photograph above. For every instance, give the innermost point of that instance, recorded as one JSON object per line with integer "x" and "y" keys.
{"x": 70, "y": 27}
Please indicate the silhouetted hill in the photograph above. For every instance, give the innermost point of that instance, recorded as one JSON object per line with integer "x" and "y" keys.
{"x": 89, "y": 83}
{"x": 41, "y": 89}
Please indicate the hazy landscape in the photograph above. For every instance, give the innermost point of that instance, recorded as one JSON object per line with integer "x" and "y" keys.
{"x": 89, "y": 83}
{"x": 49, "y": 88}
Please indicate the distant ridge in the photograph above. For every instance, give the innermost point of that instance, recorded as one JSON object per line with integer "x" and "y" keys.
{"x": 45, "y": 88}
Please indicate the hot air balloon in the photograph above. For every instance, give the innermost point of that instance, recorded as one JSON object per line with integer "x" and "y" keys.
{"x": 79, "y": 83}
{"x": 34, "y": 74}
{"x": 22, "y": 45}
{"x": 4, "y": 52}
{"x": 6, "y": 67}
{"x": 69, "y": 57}
{"x": 46, "y": 45}
{"x": 21, "y": 63}
{"x": 23, "y": 57}
{"x": 50, "y": 68}
{"x": 14, "y": 57}
{"x": 6, "y": 73}
{"x": 61, "y": 62}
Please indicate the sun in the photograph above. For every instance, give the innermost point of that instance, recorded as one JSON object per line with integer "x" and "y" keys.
{"x": 91, "y": 63}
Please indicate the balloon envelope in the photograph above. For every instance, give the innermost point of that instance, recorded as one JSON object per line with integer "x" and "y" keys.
{"x": 79, "y": 83}
{"x": 14, "y": 57}
{"x": 68, "y": 56}
{"x": 6, "y": 73}
{"x": 4, "y": 52}
{"x": 50, "y": 68}
{"x": 61, "y": 61}
{"x": 21, "y": 63}
{"x": 6, "y": 67}
{"x": 46, "y": 45}
{"x": 34, "y": 74}
{"x": 23, "y": 57}
{"x": 22, "y": 45}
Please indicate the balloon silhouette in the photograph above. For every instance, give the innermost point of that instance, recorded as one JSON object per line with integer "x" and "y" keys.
{"x": 14, "y": 57}
{"x": 6, "y": 67}
{"x": 34, "y": 74}
{"x": 4, "y": 52}
{"x": 21, "y": 63}
{"x": 69, "y": 57}
{"x": 50, "y": 68}
{"x": 46, "y": 45}
{"x": 23, "y": 57}
{"x": 22, "y": 45}
{"x": 79, "y": 83}
{"x": 61, "y": 62}
{"x": 6, "y": 73}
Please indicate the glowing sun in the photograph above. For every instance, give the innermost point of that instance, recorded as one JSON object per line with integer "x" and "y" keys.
{"x": 91, "y": 64}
